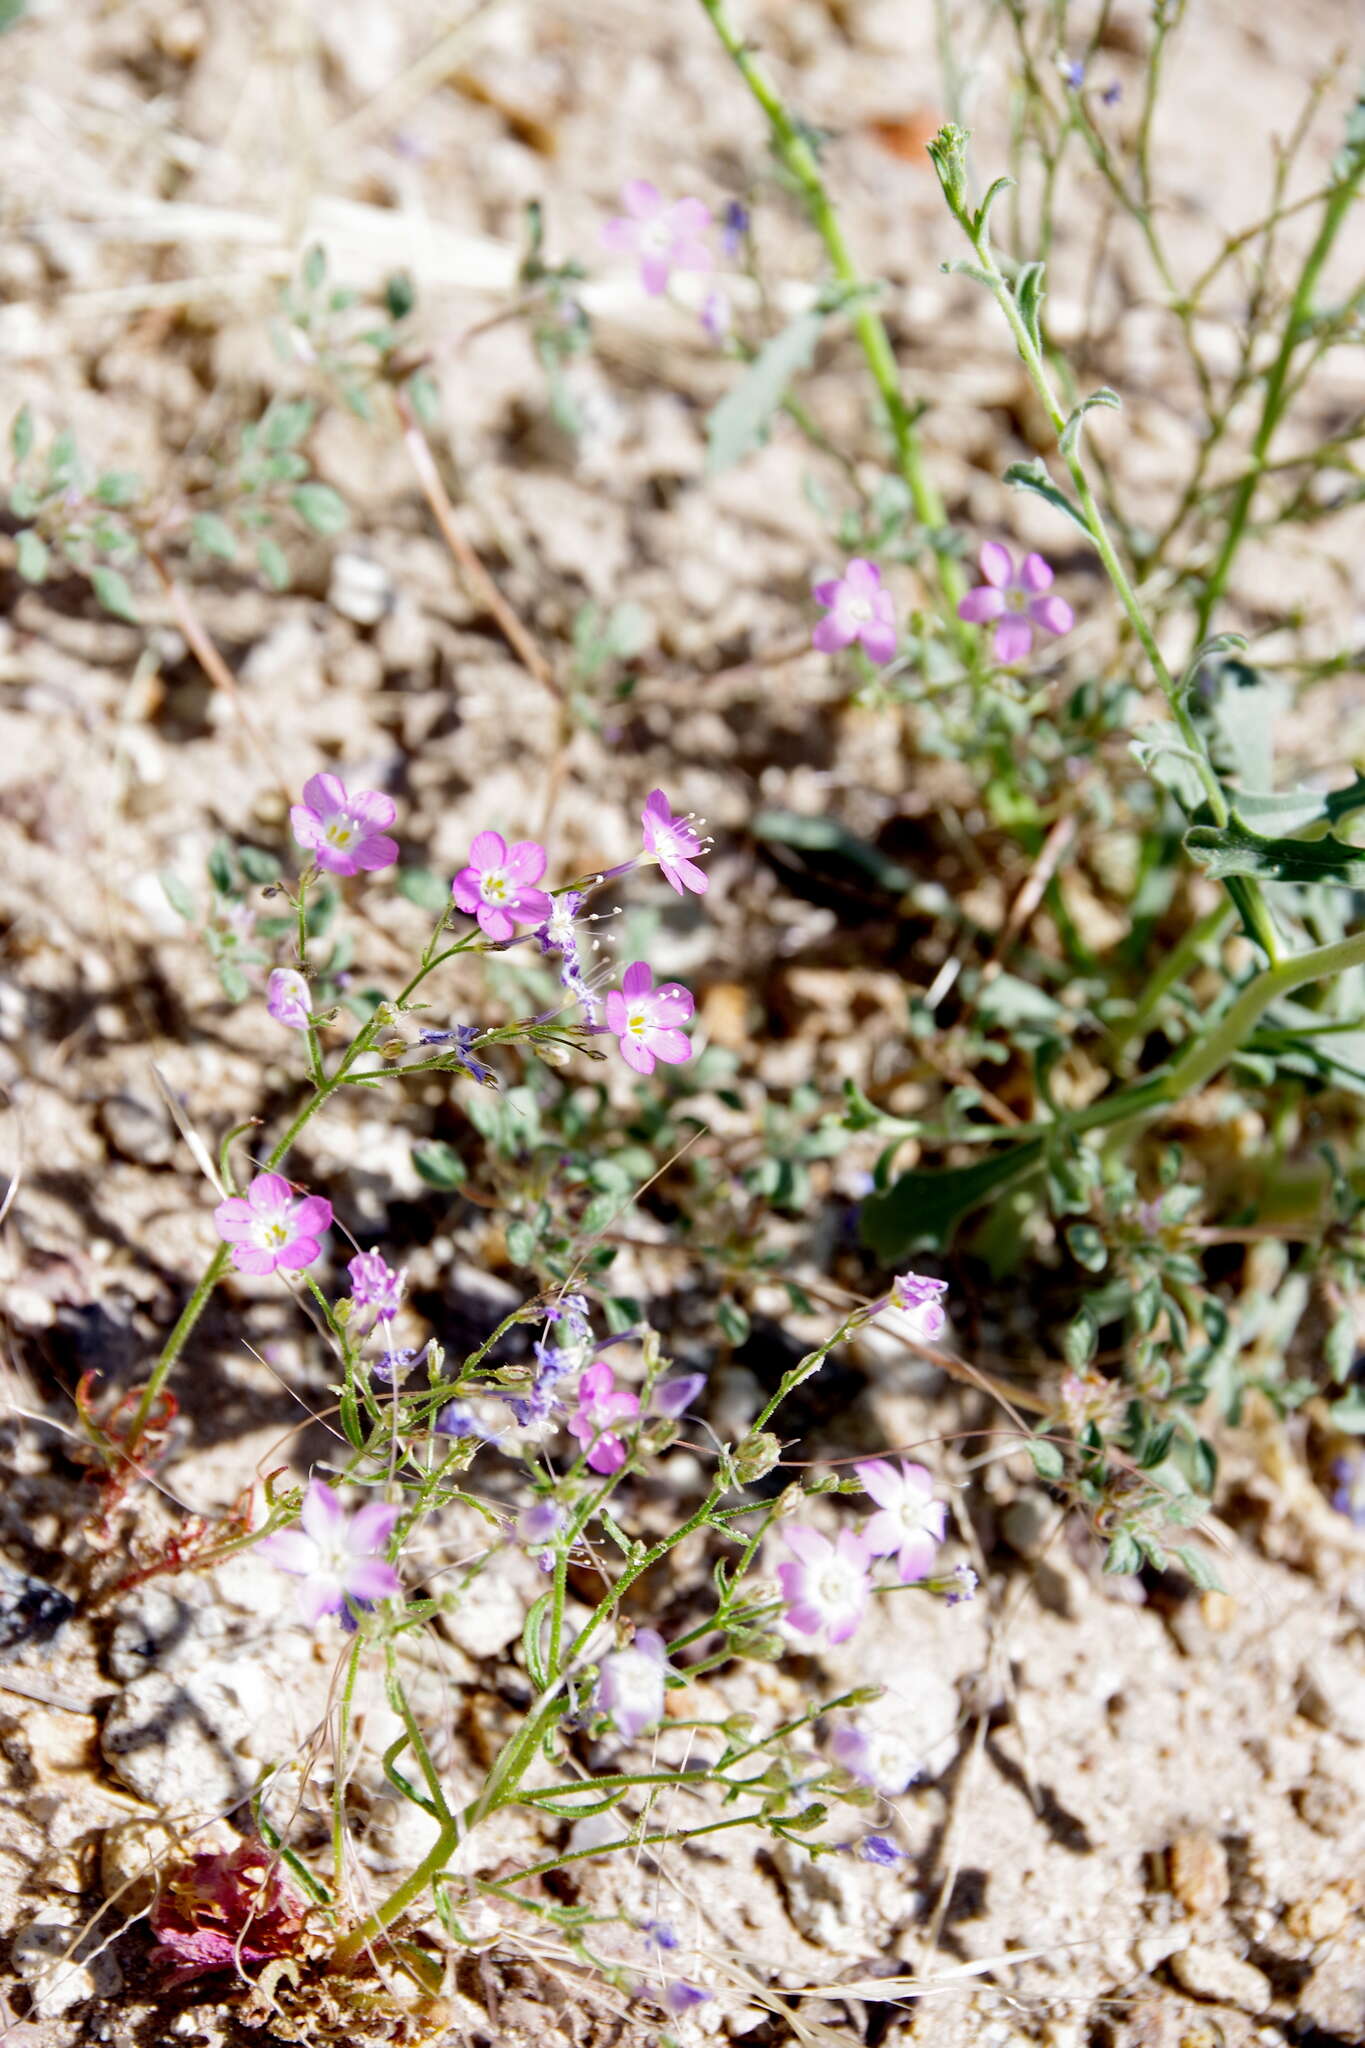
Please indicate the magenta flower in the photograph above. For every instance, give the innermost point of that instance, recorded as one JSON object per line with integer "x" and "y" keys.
{"x": 271, "y": 1226}
{"x": 664, "y": 238}
{"x": 287, "y": 998}
{"x": 344, "y": 833}
{"x": 648, "y": 1021}
{"x": 876, "y": 1757}
{"x": 630, "y": 1684}
{"x": 826, "y": 1589}
{"x": 222, "y": 1910}
{"x": 673, "y": 842}
{"x": 498, "y": 886}
{"x": 911, "y": 1523}
{"x": 376, "y": 1289}
{"x": 1016, "y": 601}
{"x": 338, "y": 1557}
{"x": 919, "y": 1298}
{"x": 600, "y": 1407}
{"x": 857, "y": 609}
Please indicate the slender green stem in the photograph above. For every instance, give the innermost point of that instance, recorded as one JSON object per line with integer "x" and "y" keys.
{"x": 1173, "y": 968}
{"x": 791, "y": 143}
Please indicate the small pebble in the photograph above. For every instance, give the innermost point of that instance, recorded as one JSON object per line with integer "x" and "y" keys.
{"x": 1216, "y": 1974}
{"x": 1198, "y": 1869}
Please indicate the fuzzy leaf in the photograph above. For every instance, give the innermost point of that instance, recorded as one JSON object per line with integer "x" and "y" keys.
{"x": 321, "y": 508}
{"x": 118, "y": 487}
{"x": 921, "y": 1210}
{"x": 1233, "y": 849}
{"x": 31, "y": 555}
{"x": 439, "y": 1164}
{"x": 111, "y": 588}
{"x": 1029, "y": 292}
{"x": 430, "y": 892}
{"x": 214, "y": 536}
{"x": 176, "y": 894}
{"x": 273, "y": 564}
{"x": 21, "y": 434}
{"x": 740, "y": 422}
{"x": 1071, "y": 432}
{"x": 1033, "y": 476}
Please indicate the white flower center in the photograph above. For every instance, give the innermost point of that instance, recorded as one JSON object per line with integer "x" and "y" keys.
{"x": 493, "y": 886}
{"x": 1016, "y": 599}
{"x": 656, "y": 237}
{"x": 273, "y": 1235}
{"x": 666, "y": 845}
{"x": 637, "y": 1023}
{"x": 340, "y": 833}
{"x": 837, "y": 1584}
{"x": 859, "y": 609}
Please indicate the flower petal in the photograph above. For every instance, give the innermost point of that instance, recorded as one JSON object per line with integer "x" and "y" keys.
{"x": 1054, "y": 614}
{"x": 372, "y": 1578}
{"x": 1013, "y": 638}
{"x": 879, "y": 642}
{"x": 616, "y": 1011}
{"x": 654, "y": 274}
{"x": 318, "y": 1597}
{"x": 997, "y": 564}
{"x": 806, "y": 1543}
{"x": 673, "y": 1047}
{"x": 981, "y": 604}
{"x": 636, "y": 1055}
{"x": 290, "y": 1550}
{"x": 488, "y": 851}
{"x": 322, "y": 1516}
{"x": 832, "y": 634}
{"x": 525, "y": 861}
{"x": 1035, "y": 574}
{"x": 826, "y": 592}
{"x": 495, "y": 922}
{"x": 324, "y": 794}
{"x": 234, "y": 1220}
{"x": 863, "y": 578}
{"x": 879, "y": 1479}
{"x": 268, "y": 1192}
{"x": 372, "y": 808}
{"x": 916, "y": 1556}
{"x": 376, "y": 852}
{"x": 637, "y": 979}
{"x": 312, "y": 1216}
{"x": 465, "y": 890}
{"x": 641, "y": 199}
{"x": 689, "y": 217}
{"x": 250, "y": 1258}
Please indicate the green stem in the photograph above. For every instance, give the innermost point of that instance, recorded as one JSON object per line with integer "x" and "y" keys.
{"x": 792, "y": 147}
{"x": 1339, "y": 202}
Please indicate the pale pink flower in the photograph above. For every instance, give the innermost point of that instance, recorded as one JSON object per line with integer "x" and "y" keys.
{"x": 344, "y": 833}
{"x": 673, "y": 843}
{"x": 911, "y": 1523}
{"x": 376, "y": 1289}
{"x": 601, "y": 1405}
{"x": 337, "y": 1557}
{"x": 287, "y": 998}
{"x": 1018, "y": 602}
{"x": 664, "y": 238}
{"x": 630, "y": 1684}
{"x": 921, "y": 1300}
{"x": 826, "y": 1589}
{"x": 876, "y": 1757}
{"x": 673, "y": 1398}
{"x": 857, "y": 609}
{"x": 648, "y": 1021}
{"x": 271, "y": 1226}
{"x": 498, "y": 886}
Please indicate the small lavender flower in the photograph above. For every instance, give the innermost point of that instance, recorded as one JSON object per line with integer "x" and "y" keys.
{"x": 664, "y": 238}
{"x": 681, "y": 1997}
{"x": 911, "y": 1523}
{"x": 397, "y": 1363}
{"x": 648, "y": 1021}
{"x": 673, "y": 843}
{"x": 497, "y": 888}
{"x": 541, "y": 1524}
{"x": 1017, "y": 602}
{"x": 344, "y": 833}
{"x": 857, "y": 608}
{"x": 716, "y": 315}
{"x": 630, "y": 1684}
{"x": 1348, "y": 1495}
{"x": 921, "y": 1299}
{"x": 1112, "y": 94}
{"x": 287, "y": 998}
{"x": 559, "y": 934}
{"x": 376, "y": 1289}
{"x": 338, "y": 1557}
{"x": 270, "y": 1227}
{"x": 462, "y": 1037}
{"x": 734, "y": 227}
{"x": 965, "y": 1587}
{"x": 875, "y": 1757}
{"x": 880, "y": 1849}
{"x": 672, "y": 1398}
{"x": 826, "y": 1590}
{"x": 601, "y": 1405}
{"x": 1073, "y": 72}
{"x": 457, "y": 1419}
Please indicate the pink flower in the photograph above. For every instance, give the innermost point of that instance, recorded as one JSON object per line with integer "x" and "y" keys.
{"x": 877, "y": 1758}
{"x": 918, "y": 1297}
{"x": 226, "y": 1909}
{"x": 664, "y": 238}
{"x": 857, "y": 609}
{"x": 630, "y": 1684}
{"x": 344, "y": 833}
{"x": 498, "y": 885}
{"x": 337, "y": 1557}
{"x": 287, "y": 998}
{"x": 911, "y": 1521}
{"x": 272, "y": 1227}
{"x": 600, "y": 1405}
{"x": 673, "y": 1398}
{"x": 673, "y": 842}
{"x": 376, "y": 1289}
{"x": 648, "y": 1021}
{"x": 826, "y": 1589}
{"x": 1016, "y": 601}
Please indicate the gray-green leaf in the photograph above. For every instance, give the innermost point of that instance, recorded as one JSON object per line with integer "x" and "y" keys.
{"x": 31, "y": 555}
{"x": 740, "y": 423}
{"x": 214, "y": 536}
{"x": 320, "y": 507}
{"x": 1033, "y": 476}
{"x": 111, "y": 588}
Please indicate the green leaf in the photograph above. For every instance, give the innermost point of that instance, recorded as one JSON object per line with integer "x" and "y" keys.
{"x": 1087, "y": 1246}
{"x": 521, "y": 1241}
{"x": 111, "y": 588}
{"x": 1081, "y": 1338}
{"x": 1048, "y": 1461}
{"x": 213, "y": 536}
{"x": 286, "y": 420}
{"x": 21, "y": 434}
{"x": 1233, "y": 849}
{"x": 981, "y": 219}
{"x": 733, "y": 1320}
{"x": 1029, "y": 290}
{"x": 740, "y": 423}
{"x": 1071, "y": 432}
{"x": 315, "y": 268}
{"x": 321, "y": 508}
{"x": 425, "y": 395}
{"x": 599, "y": 1213}
{"x": 430, "y": 892}
{"x": 273, "y": 564}
{"x": 1339, "y": 1346}
{"x": 1348, "y": 1414}
{"x": 220, "y": 868}
{"x": 176, "y": 893}
{"x": 118, "y": 487}
{"x": 258, "y": 865}
{"x": 828, "y": 835}
{"x": 439, "y": 1164}
{"x": 1019, "y": 1007}
{"x": 1123, "y": 1555}
{"x": 31, "y": 555}
{"x": 234, "y": 983}
{"x": 921, "y": 1210}
{"x": 1198, "y": 1568}
{"x": 1033, "y": 476}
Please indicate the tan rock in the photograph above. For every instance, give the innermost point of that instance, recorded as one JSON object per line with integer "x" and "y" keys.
{"x": 1198, "y": 1869}
{"x": 1218, "y": 1975}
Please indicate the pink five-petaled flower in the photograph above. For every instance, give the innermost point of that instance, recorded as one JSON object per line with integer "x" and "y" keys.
{"x": 673, "y": 842}
{"x": 664, "y": 238}
{"x": 1017, "y": 602}
{"x": 826, "y": 1589}
{"x": 648, "y": 1020}
{"x": 337, "y": 1557}
{"x": 857, "y": 608}
{"x": 498, "y": 886}
{"x": 272, "y": 1226}
{"x": 344, "y": 833}
{"x": 921, "y": 1300}
{"x": 630, "y": 1684}
{"x": 911, "y": 1522}
{"x": 600, "y": 1405}
{"x": 287, "y": 998}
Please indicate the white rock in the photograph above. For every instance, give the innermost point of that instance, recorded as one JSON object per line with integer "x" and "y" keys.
{"x": 56, "y": 1978}
{"x": 189, "y": 1742}
{"x": 359, "y": 589}
{"x": 1333, "y": 1688}
{"x": 1217, "y": 1974}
